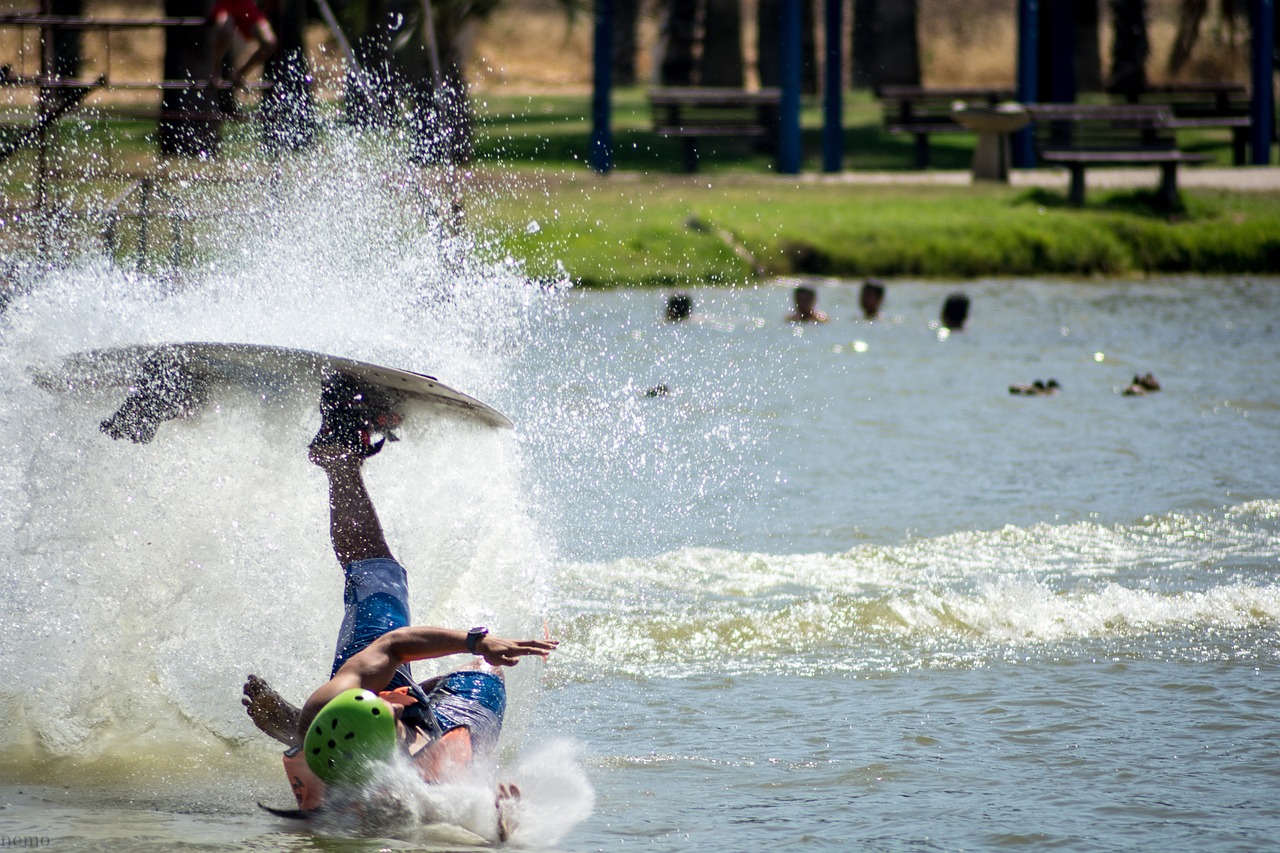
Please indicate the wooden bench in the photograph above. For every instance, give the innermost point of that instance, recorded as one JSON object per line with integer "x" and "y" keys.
{"x": 692, "y": 113}
{"x": 1197, "y": 105}
{"x": 921, "y": 111}
{"x": 1079, "y": 136}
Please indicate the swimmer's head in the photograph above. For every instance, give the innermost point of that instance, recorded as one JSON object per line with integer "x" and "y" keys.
{"x": 955, "y": 311}
{"x": 679, "y": 307}
{"x": 350, "y": 734}
{"x": 871, "y": 297}
{"x": 805, "y": 297}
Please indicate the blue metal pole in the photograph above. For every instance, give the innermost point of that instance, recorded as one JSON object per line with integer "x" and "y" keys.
{"x": 789, "y": 108}
{"x": 601, "y": 155}
{"x": 1024, "y": 155}
{"x": 833, "y": 93}
{"x": 1263, "y": 109}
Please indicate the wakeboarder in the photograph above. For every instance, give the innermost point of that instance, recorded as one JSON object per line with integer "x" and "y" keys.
{"x": 371, "y": 708}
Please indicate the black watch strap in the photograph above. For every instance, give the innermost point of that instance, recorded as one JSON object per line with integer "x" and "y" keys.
{"x": 474, "y": 636}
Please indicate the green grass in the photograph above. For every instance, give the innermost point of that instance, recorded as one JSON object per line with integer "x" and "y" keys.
{"x": 631, "y": 227}
{"x": 607, "y": 232}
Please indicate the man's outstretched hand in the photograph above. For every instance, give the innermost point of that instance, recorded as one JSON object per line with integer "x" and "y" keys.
{"x": 499, "y": 652}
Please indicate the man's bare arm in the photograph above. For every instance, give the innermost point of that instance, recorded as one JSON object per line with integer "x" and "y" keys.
{"x": 373, "y": 667}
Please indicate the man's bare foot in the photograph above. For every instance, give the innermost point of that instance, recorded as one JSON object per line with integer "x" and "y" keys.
{"x": 506, "y": 802}
{"x": 270, "y": 712}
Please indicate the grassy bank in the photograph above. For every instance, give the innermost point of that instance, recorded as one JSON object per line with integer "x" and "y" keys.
{"x": 634, "y": 227}
{"x": 628, "y": 230}
{"x": 649, "y": 224}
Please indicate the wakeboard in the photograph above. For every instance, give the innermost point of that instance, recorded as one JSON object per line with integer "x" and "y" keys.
{"x": 163, "y": 382}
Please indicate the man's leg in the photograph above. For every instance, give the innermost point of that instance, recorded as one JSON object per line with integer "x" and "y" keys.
{"x": 267, "y": 42}
{"x": 354, "y": 527}
{"x": 223, "y": 29}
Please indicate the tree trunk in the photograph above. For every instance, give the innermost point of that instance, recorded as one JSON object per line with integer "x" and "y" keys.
{"x": 66, "y": 41}
{"x": 1056, "y": 57}
{"x": 1069, "y": 60}
{"x": 288, "y": 113}
{"x": 898, "y": 45}
{"x": 441, "y": 117}
{"x": 1130, "y": 48}
{"x": 886, "y": 43}
{"x": 677, "y": 37}
{"x": 1088, "y": 55}
{"x": 626, "y": 23}
{"x": 768, "y": 47}
{"x": 186, "y": 124}
{"x": 722, "y": 63}
{"x": 865, "y": 38}
{"x": 371, "y": 98}
{"x": 809, "y": 72}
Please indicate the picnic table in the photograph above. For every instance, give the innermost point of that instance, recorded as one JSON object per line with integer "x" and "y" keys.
{"x": 692, "y": 113}
{"x": 1202, "y": 104}
{"x": 1081, "y": 136}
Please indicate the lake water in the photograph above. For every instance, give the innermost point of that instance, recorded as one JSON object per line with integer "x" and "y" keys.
{"x": 837, "y": 589}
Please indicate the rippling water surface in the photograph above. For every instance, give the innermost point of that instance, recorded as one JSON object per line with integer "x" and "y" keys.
{"x": 835, "y": 589}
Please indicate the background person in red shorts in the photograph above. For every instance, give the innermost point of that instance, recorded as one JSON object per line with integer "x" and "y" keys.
{"x": 243, "y": 15}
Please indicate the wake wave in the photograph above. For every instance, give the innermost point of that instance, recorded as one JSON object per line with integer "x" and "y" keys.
{"x": 1207, "y": 580}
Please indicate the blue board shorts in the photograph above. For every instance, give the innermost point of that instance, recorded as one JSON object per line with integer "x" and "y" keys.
{"x": 376, "y": 600}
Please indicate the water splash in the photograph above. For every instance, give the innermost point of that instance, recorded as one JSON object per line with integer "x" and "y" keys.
{"x": 141, "y": 583}
{"x": 551, "y": 796}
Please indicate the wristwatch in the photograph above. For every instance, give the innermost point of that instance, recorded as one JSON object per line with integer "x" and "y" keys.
{"x": 474, "y": 636}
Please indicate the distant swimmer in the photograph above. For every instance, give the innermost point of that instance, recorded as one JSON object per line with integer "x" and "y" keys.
{"x": 806, "y": 301}
{"x": 1038, "y": 388}
{"x": 679, "y": 307}
{"x": 871, "y": 298}
{"x": 955, "y": 311}
{"x": 371, "y": 708}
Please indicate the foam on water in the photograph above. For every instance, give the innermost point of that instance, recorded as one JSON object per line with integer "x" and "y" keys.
{"x": 961, "y": 599}
{"x": 552, "y": 796}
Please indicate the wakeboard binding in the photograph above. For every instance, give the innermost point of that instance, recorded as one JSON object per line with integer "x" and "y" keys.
{"x": 352, "y": 413}
{"x": 163, "y": 391}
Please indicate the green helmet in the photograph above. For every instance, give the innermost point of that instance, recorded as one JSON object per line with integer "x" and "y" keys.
{"x": 354, "y": 730}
